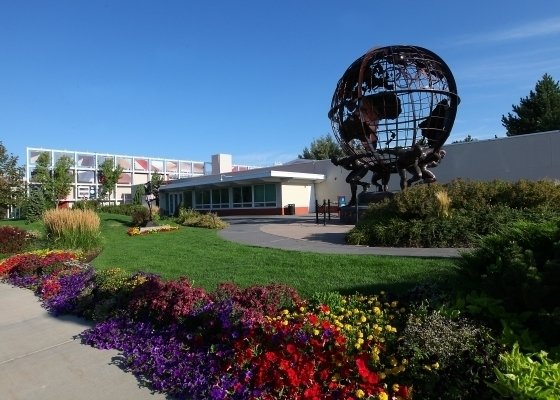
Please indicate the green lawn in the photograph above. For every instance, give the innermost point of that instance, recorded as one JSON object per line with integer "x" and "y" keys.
{"x": 202, "y": 256}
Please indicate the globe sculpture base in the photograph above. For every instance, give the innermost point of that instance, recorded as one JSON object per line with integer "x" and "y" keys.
{"x": 348, "y": 213}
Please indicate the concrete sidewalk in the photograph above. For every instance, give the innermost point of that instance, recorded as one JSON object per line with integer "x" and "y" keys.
{"x": 40, "y": 358}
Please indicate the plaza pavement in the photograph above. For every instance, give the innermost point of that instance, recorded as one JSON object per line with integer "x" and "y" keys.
{"x": 41, "y": 357}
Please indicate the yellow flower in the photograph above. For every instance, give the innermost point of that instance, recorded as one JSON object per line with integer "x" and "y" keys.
{"x": 316, "y": 332}
{"x": 395, "y": 387}
{"x": 284, "y": 322}
{"x": 360, "y": 394}
{"x": 360, "y": 341}
{"x": 363, "y": 318}
{"x": 383, "y": 396}
{"x": 376, "y": 310}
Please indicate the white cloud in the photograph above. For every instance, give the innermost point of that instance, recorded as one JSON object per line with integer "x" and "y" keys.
{"x": 550, "y": 26}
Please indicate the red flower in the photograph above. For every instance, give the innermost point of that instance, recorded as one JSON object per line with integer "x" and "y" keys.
{"x": 270, "y": 356}
{"x": 314, "y": 392}
{"x": 366, "y": 375}
{"x": 313, "y": 319}
{"x": 291, "y": 348}
{"x": 403, "y": 392}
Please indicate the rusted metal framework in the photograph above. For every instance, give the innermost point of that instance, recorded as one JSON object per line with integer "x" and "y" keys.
{"x": 393, "y": 110}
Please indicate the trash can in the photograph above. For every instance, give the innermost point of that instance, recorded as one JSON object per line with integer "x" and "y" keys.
{"x": 291, "y": 209}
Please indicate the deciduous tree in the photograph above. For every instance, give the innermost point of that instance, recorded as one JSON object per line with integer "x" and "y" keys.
{"x": 11, "y": 180}
{"x": 56, "y": 182}
{"x": 108, "y": 176}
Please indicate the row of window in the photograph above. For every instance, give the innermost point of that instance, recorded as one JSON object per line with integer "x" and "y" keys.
{"x": 84, "y": 160}
{"x": 235, "y": 197}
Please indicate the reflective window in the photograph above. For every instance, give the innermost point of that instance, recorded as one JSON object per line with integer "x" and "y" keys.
{"x": 140, "y": 164}
{"x": 220, "y": 198}
{"x": 125, "y": 178}
{"x": 58, "y": 154}
{"x": 172, "y": 166}
{"x": 86, "y": 176}
{"x": 34, "y": 155}
{"x": 85, "y": 160}
{"x": 202, "y": 198}
{"x": 185, "y": 167}
{"x": 265, "y": 195}
{"x": 125, "y": 162}
{"x": 157, "y": 166}
{"x": 242, "y": 196}
{"x": 198, "y": 168}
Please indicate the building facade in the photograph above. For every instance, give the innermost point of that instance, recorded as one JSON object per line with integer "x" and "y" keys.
{"x": 300, "y": 185}
{"x": 136, "y": 170}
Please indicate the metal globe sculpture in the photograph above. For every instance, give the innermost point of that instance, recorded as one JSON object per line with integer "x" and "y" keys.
{"x": 391, "y": 112}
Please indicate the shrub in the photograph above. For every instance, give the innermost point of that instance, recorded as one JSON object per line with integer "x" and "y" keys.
{"x": 520, "y": 267}
{"x": 121, "y": 209}
{"x": 12, "y": 239}
{"x": 189, "y": 217}
{"x": 140, "y": 216}
{"x": 454, "y": 215}
{"x": 447, "y": 358}
{"x": 73, "y": 229}
{"x": 86, "y": 205}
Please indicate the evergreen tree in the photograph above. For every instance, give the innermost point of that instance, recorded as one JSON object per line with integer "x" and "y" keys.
{"x": 538, "y": 112}
{"x": 11, "y": 180}
{"x": 108, "y": 176}
{"x": 322, "y": 148}
{"x": 33, "y": 207}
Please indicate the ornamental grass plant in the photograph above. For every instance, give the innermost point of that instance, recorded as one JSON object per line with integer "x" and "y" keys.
{"x": 72, "y": 229}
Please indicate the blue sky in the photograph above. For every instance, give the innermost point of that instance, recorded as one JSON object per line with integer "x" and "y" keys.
{"x": 252, "y": 78}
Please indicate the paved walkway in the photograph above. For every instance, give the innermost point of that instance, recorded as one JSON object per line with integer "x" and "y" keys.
{"x": 40, "y": 358}
{"x": 303, "y": 233}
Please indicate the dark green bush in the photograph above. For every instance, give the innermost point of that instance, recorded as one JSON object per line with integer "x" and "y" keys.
{"x": 520, "y": 267}
{"x": 122, "y": 209}
{"x": 86, "y": 205}
{"x": 413, "y": 218}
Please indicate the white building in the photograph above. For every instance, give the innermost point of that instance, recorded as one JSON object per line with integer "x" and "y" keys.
{"x": 295, "y": 187}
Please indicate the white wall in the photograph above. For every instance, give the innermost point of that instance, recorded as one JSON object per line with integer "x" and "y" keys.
{"x": 296, "y": 194}
{"x": 534, "y": 156}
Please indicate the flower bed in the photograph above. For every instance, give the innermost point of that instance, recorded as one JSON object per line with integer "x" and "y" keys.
{"x": 258, "y": 342}
{"x": 136, "y": 231}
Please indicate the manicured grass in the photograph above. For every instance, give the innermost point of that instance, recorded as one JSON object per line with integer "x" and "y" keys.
{"x": 202, "y": 256}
